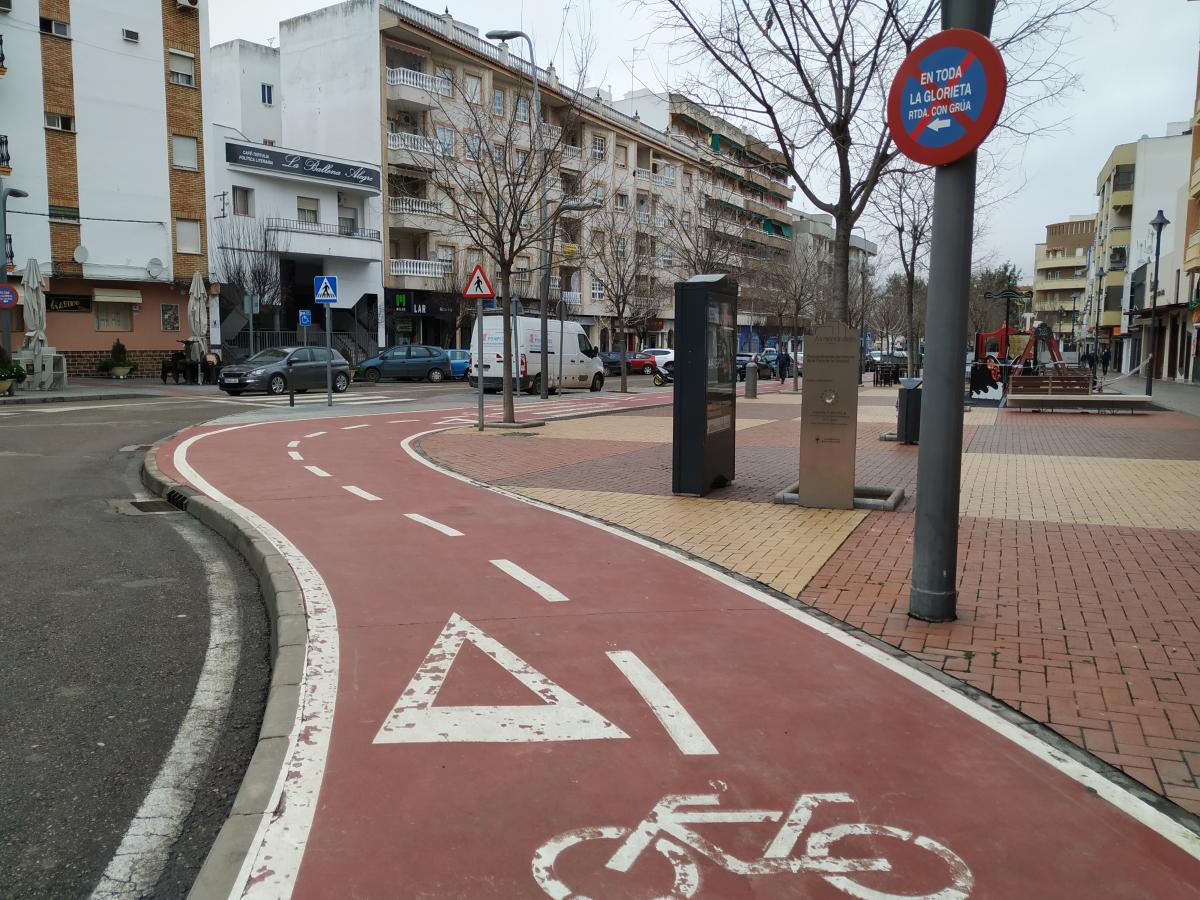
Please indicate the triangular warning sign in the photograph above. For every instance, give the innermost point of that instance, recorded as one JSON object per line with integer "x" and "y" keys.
{"x": 415, "y": 720}
{"x": 325, "y": 291}
{"x": 478, "y": 287}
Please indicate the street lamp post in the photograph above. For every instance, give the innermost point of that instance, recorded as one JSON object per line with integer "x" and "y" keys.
{"x": 1074, "y": 322}
{"x": 1100, "y": 273}
{"x": 507, "y": 35}
{"x": 1008, "y": 295}
{"x": 5, "y": 193}
{"x": 1158, "y": 223}
{"x": 862, "y": 311}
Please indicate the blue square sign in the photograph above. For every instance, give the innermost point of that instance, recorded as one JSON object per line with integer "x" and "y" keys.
{"x": 325, "y": 289}
{"x": 305, "y": 318}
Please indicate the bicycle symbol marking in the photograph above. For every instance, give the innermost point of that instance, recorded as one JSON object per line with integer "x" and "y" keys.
{"x": 666, "y": 830}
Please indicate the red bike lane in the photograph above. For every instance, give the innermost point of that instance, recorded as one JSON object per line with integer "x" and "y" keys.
{"x": 516, "y": 690}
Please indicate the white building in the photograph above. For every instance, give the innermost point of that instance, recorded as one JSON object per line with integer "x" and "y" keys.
{"x": 102, "y": 120}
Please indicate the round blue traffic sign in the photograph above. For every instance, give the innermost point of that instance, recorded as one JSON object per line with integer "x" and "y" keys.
{"x": 8, "y": 296}
{"x": 946, "y": 97}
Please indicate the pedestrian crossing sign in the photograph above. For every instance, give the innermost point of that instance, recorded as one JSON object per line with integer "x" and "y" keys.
{"x": 325, "y": 289}
{"x": 478, "y": 287}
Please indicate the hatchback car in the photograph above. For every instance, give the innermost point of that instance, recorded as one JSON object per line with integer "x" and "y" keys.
{"x": 634, "y": 363}
{"x": 275, "y": 369}
{"x": 744, "y": 360}
{"x": 665, "y": 357}
{"x": 460, "y": 361}
{"x": 407, "y": 361}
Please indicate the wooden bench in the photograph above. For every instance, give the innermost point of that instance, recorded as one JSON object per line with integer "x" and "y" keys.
{"x": 1052, "y": 383}
{"x": 1103, "y": 402}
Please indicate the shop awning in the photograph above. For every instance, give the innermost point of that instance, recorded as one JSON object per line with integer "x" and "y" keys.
{"x": 116, "y": 295}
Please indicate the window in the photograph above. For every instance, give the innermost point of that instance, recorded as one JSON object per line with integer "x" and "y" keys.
{"x": 522, "y": 159}
{"x": 445, "y": 255}
{"x": 268, "y": 94}
{"x": 619, "y": 250}
{"x": 597, "y": 290}
{"x": 599, "y": 147}
{"x": 420, "y": 353}
{"x": 55, "y": 27}
{"x": 168, "y": 316}
{"x": 598, "y": 192}
{"x": 498, "y": 155}
{"x": 585, "y": 346}
{"x": 622, "y": 201}
{"x": 183, "y": 68}
{"x": 474, "y": 146}
{"x": 686, "y": 220}
{"x": 112, "y": 316}
{"x": 497, "y": 102}
{"x": 308, "y": 210}
{"x": 521, "y": 270}
{"x": 522, "y": 109}
{"x": 64, "y": 213}
{"x": 187, "y": 236}
{"x": 445, "y": 137}
{"x": 347, "y": 220}
{"x": 622, "y": 156}
{"x": 184, "y": 152}
{"x": 130, "y": 35}
{"x": 243, "y": 201}
{"x": 472, "y": 88}
{"x": 448, "y": 74}
{"x": 59, "y": 122}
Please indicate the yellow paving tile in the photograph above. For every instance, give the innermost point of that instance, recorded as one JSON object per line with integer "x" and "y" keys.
{"x": 786, "y": 547}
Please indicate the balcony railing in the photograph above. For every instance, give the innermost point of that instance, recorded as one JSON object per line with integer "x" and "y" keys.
{"x": 668, "y": 180}
{"x": 369, "y": 234}
{"x": 435, "y": 84}
{"x": 571, "y": 298}
{"x": 641, "y": 175}
{"x": 418, "y": 143}
{"x": 661, "y": 221}
{"x": 1194, "y": 239}
{"x": 5, "y": 159}
{"x": 643, "y": 218}
{"x": 420, "y": 268}
{"x": 569, "y": 151}
{"x": 414, "y": 205}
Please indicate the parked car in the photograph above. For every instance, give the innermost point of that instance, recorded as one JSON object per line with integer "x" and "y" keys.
{"x": 634, "y": 362}
{"x": 665, "y": 357}
{"x": 745, "y": 359}
{"x": 407, "y": 361}
{"x": 273, "y": 369}
{"x": 769, "y": 355}
{"x": 460, "y": 361}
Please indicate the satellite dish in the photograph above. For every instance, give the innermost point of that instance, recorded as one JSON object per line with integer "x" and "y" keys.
{"x": 80, "y": 255}
{"x": 154, "y": 267}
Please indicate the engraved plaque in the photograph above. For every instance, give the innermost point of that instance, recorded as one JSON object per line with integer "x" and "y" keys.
{"x": 829, "y": 417}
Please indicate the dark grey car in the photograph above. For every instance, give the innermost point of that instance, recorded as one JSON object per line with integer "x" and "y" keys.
{"x": 270, "y": 370}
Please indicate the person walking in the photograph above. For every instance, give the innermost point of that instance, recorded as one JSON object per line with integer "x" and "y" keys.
{"x": 785, "y": 362}
{"x": 1105, "y": 359}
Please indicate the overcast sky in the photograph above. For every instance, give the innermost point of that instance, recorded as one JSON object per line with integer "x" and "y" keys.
{"x": 1138, "y": 71}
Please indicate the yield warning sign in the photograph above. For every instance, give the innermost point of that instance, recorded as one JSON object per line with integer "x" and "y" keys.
{"x": 947, "y": 97}
{"x": 478, "y": 287}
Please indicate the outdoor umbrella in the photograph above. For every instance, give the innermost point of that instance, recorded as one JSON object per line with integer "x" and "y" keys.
{"x": 198, "y": 317}
{"x": 35, "y": 318}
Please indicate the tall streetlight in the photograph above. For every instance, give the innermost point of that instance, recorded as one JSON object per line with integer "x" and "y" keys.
{"x": 1158, "y": 223}
{"x": 5, "y": 193}
{"x": 862, "y": 313}
{"x": 500, "y": 34}
{"x": 1100, "y": 273}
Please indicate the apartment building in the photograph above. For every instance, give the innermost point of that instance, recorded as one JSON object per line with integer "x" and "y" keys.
{"x": 1060, "y": 267}
{"x": 1191, "y": 237}
{"x": 103, "y": 128}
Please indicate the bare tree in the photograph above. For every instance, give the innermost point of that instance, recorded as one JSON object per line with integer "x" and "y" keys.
{"x": 247, "y": 261}
{"x": 904, "y": 205}
{"x": 802, "y": 285}
{"x": 700, "y": 236}
{"x": 487, "y": 167}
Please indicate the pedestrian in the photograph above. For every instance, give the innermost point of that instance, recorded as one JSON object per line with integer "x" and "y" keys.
{"x": 784, "y": 362}
{"x": 1105, "y": 359}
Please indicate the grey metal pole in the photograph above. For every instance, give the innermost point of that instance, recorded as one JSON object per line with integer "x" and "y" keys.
{"x": 328, "y": 355}
{"x": 5, "y": 332}
{"x": 1153, "y": 310}
{"x": 562, "y": 315}
{"x": 479, "y": 357}
{"x": 544, "y": 290}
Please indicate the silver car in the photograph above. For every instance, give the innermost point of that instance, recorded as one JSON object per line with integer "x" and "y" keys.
{"x": 274, "y": 369}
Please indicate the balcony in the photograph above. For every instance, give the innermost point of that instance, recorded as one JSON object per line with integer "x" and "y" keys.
{"x": 416, "y": 89}
{"x": 1118, "y": 236}
{"x": 571, "y": 155}
{"x": 573, "y": 301}
{"x": 5, "y": 159}
{"x": 324, "y": 240}
{"x": 415, "y": 214}
{"x": 1121, "y": 198}
{"x": 642, "y": 175}
{"x": 414, "y": 149}
{"x": 661, "y": 222}
{"x": 663, "y": 180}
{"x": 1191, "y": 255}
{"x": 418, "y": 274}
{"x": 1060, "y": 284}
{"x": 642, "y": 218}
{"x": 1194, "y": 187}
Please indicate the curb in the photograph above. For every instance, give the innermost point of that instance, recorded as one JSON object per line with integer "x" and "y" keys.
{"x": 289, "y": 638}
{"x": 39, "y": 398}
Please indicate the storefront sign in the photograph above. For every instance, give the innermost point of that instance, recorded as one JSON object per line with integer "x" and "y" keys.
{"x": 428, "y": 305}
{"x": 287, "y": 163}
{"x": 67, "y": 303}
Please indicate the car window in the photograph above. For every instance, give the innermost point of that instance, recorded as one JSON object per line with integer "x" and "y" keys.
{"x": 585, "y": 346}
{"x": 270, "y": 355}
{"x": 459, "y": 354}
{"x": 302, "y": 356}
{"x": 394, "y": 353}
{"x": 320, "y": 354}
{"x": 419, "y": 353}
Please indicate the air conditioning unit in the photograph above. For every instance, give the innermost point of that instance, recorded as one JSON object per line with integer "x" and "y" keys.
{"x": 188, "y": 4}
{"x": 128, "y": 33}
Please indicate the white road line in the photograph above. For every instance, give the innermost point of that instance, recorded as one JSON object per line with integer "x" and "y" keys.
{"x": 352, "y": 427}
{"x": 320, "y": 473}
{"x": 372, "y": 402}
{"x": 138, "y": 862}
{"x": 293, "y": 443}
{"x": 127, "y": 449}
{"x": 535, "y": 584}
{"x": 359, "y": 492}
{"x": 679, "y": 724}
{"x": 436, "y": 526}
{"x": 398, "y": 421}
{"x": 315, "y": 434}
{"x": 296, "y": 456}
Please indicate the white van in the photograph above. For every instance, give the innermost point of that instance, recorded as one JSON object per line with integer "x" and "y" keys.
{"x": 581, "y": 365}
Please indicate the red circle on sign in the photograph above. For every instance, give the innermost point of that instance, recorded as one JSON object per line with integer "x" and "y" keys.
{"x": 8, "y": 296}
{"x": 986, "y": 54}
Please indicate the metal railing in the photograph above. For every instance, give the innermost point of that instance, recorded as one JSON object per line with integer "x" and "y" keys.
{"x": 414, "y": 205}
{"x": 418, "y": 143}
{"x": 643, "y": 218}
{"x": 570, "y": 151}
{"x": 661, "y": 221}
{"x": 641, "y": 175}
{"x": 571, "y": 298}
{"x": 5, "y": 159}
{"x": 296, "y": 225}
{"x": 421, "y": 268}
{"x": 435, "y": 84}
{"x": 668, "y": 180}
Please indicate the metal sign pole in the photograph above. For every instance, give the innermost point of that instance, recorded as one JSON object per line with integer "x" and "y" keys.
{"x": 328, "y": 355}
{"x": 479, "y": 356}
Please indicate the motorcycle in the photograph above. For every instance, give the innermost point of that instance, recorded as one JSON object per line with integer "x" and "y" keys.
{"x": 661, "y": 376}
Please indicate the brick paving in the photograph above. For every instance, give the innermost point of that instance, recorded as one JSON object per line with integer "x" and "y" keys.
{"x": 1079, "y": 577}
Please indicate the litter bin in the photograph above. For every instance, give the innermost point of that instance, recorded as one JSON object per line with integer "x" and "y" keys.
{"x": 908, "y": 411}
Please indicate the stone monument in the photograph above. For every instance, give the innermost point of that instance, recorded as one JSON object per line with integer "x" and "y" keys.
{"x": 829, "y": 418}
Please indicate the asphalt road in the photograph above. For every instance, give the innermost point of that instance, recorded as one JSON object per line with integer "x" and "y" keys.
{"x": 106, "y": 624}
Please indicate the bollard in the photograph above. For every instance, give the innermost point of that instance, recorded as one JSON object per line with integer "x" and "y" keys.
{"x": 752, "y": 380}
{"x": 291, "y": 386}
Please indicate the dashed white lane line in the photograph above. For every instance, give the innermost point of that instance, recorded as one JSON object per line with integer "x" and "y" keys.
{"x": 315, "y": 434}
{"x": 294, "y": 455}
{"x": 293, "y": 443}
{"x": 676, "y": 720}
{"x": 535, "y": 584}
{"x": 359, "y": 492}
{"x": 320, "y": 473}
{"x": 352, "y": 427}
{"x": 401, "y": 421}
{"x": 389, "y": 400}
{"x": 436, "y": 526}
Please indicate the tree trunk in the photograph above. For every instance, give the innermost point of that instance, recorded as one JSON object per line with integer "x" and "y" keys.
{"x": 624, "y": 349}
{"x": 911, "y": 335}
{"x": 841, "y": 269}
{"x": 506, "y": 311}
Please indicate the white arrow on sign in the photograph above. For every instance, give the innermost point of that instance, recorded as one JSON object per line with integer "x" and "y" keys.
{"x": 939, "y": 124}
